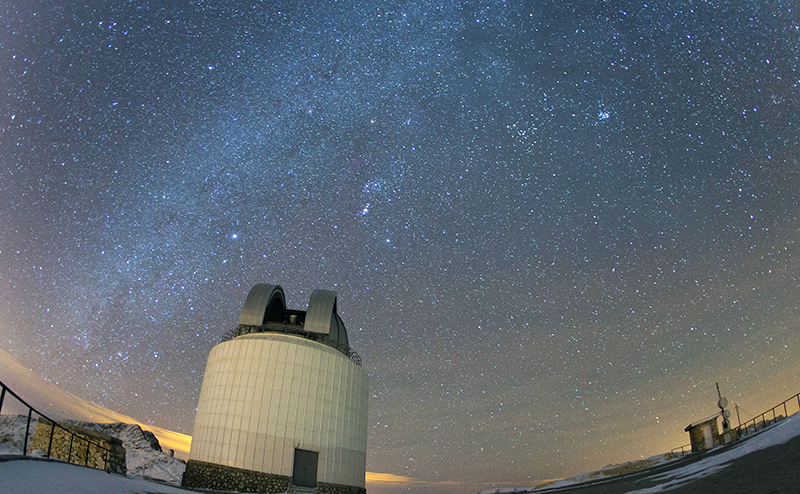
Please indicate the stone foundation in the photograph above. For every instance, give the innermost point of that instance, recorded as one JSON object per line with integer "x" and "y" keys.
{"x": 202, "y": 475}
{"x": 339, "y": 489}
{"x": 85, "y": 447}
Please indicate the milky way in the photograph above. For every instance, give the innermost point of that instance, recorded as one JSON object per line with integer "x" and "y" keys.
{"x": 552, "y": 226}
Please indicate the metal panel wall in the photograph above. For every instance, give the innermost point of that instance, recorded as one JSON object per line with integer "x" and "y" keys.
{"x": 265, "y": 394}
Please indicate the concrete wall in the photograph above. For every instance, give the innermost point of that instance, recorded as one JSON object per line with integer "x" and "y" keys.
{"x": 265, "y": 394}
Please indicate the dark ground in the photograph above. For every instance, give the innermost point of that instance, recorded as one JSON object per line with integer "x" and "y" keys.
{"x": 775, "y": 469}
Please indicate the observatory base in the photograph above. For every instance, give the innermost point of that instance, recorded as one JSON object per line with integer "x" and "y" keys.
{"x": 202, "y": 475}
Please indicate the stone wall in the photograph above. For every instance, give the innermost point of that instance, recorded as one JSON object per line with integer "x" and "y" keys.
{"x": 697, "y": 437}
{"x": 202, "y": 475}
{"x": 339, "y": 489}
{"x": 729, "y": 436}
{"x": 75, "y": 443}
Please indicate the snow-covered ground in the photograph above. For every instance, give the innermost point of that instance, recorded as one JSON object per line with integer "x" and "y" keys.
{"x": 773, "y": 435}
{"x": 603, "y": 473}
{"x": 35, "y": 477}
{"x": 778, "y": 433}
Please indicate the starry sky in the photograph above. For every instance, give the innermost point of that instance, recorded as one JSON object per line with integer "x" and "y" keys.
{"x": 552, "y": 225}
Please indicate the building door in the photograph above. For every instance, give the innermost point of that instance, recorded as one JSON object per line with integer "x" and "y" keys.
{"x": 708, "y": 436}
{"x": 305, "y": 468}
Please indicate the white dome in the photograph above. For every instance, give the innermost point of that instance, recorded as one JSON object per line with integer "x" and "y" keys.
{"x": 265, "y": 310}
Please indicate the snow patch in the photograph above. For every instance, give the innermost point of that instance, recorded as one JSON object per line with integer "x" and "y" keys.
{"x": 12, "y": 433}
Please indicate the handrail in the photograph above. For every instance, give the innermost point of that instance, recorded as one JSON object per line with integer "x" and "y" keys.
{"x": 681, "y": 448}
{"x": 746, "y": 428}
{"x": 233, "y": 333}
{"x": 55, "y": 424}
{"x": 763, "y": 416}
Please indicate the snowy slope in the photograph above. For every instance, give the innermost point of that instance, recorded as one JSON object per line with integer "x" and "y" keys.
{"x": 773, "y": 435}
{"x": 605, "y": 472}
{"x": 143, "y": 454}
{"x": 12, "y": 433}
{"x": 779, "y": 433}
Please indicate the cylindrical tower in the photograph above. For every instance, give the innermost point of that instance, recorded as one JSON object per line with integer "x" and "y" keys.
{"x": 284, "y": 402}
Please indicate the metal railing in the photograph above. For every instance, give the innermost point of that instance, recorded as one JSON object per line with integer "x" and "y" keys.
{"x": 242, "y": 330}
{"x": 72, "y": 436}
{"x": 758, "y": 422}
{"x": 753, "y": 424}
{"x": 683, "y": 449}
{"x": 356, "y": 358}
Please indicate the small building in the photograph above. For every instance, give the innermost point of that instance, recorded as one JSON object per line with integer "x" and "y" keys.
{"x": 283, "y": 402}
{"x": 704, "y": 433}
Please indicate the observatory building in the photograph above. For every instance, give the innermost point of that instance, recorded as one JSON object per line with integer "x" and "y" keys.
{"x": 283, "y": 402}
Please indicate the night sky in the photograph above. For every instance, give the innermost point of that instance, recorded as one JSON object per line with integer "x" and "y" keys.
{"x": 552, "y": 226}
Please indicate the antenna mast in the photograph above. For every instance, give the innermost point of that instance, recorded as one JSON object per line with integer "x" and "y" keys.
{"x": 722, "y": 403}
{"x": 739, "y": 419}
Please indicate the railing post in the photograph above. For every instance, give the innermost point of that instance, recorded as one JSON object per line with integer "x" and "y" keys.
{"x": 86, "y": 460}
{"x": 71, "y": 440}
{"x": 27, "y": 431}
{"x": 52, "y": 433}
{"x": 2, "y": 396}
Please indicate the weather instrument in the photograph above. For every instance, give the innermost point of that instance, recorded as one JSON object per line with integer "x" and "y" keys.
{"x": 726, "y": 414}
